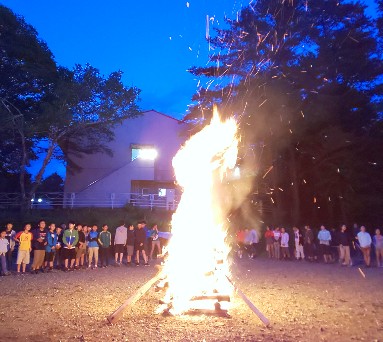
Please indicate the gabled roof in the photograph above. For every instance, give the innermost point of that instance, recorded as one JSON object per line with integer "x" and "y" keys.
{"x": 168, "y": 116}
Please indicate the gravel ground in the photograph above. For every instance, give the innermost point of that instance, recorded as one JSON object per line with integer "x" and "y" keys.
{"x": 304, "y": 302}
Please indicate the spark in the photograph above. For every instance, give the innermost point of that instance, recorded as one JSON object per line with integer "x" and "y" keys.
{"x": 302, "y": 114}
{"x": 270, "y": 168}
{"x": 304, "y": 181}
{"x": 262, "y": 103}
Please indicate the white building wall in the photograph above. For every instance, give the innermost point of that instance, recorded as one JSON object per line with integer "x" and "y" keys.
{"x": 102, "y": 173}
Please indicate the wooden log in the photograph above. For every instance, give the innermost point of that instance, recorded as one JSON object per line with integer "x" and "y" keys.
{"x": 248, "y": 302}
{"x": 117, "y": 314}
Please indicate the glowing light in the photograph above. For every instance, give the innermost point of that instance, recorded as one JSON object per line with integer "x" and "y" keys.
{"x": 147, "y": 154}
{"x": 200, "y": 166}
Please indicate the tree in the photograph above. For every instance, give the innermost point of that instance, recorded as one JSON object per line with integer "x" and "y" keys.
{"x": 27, "y": 70}
{"x": 302, "y": 79}
{"x": 67, "y": 109}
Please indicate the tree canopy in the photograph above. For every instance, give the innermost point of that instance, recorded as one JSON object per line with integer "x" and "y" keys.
{"x": 304, "y": 80}
{"x": 47, "y": 107}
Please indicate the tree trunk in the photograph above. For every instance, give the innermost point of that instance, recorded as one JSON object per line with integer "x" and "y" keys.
{"x": 295, "y": 188}
{"x": 25, "y": 204}
{"x": 40, "y": 174}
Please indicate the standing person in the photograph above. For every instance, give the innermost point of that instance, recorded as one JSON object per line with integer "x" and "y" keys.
{"x": 269, "y": 236}
{"x": 86, "y": 229}
{"x": 324, "y": 238}
{"x": 253, "y": 238}
{"x": 130, "y": 241}
{"x": 70, "y": 239}
{"x": 4, "y": 247}
{"x": 81, "y": 248}
{"x": 277, "y": 243}
{"x": 119, "y": 243}
{"x": 139, "y": 239}
{"x": 93, "y": 247}
{"x": 344, "y": 246}
{"x": 10, "y": 236}
{"x": 365, "y": 241}
{"x": 59, "y": 248}
{"x": 378, "y": 244}
{"x": 155, "y": 241}
{"x": 309, "y": 243}
{"x": 298, "y": 239}
{"x": 148, "y": 240}
{"x": 50, "y": 247}
{"x": 285, "y": 244}
{"x": 24, "y": 238}
{"x": 39, "y": 243}
{"x": 105, "y": 241}
{"x": 240, "y": 242}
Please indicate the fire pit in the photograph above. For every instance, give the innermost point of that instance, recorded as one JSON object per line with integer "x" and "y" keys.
{"x": 196, "y": 272}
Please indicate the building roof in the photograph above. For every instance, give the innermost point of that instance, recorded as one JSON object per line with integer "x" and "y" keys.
{"x": 168, "y": 116}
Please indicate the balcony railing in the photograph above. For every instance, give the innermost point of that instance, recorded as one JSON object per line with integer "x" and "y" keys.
{"x": 50, "y": 200}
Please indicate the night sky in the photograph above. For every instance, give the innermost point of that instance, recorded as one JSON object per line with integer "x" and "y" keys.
{"x": 152, "y": 42}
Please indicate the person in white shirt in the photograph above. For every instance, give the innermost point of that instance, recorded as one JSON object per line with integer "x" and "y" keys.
{"x": 298, "y": 239}
{"x": 277, "y": 243}
{"x": 365, "y": 241}
{"x": 285, "y": 244}
{"x": 120, "y": 242}
{"x": 251, "y": 240}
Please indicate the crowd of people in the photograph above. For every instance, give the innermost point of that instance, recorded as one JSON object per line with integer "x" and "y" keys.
{"x": 329, "y": 246}
{"x": 75, "y": 247}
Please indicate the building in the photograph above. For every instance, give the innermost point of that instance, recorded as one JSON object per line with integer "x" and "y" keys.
{"x": 139, "y": 172}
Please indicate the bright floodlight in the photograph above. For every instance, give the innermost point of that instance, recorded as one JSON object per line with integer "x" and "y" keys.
{"x": 148, "y": 154}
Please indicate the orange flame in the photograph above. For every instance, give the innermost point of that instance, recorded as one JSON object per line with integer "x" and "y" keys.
{"x": 198, "y": 247}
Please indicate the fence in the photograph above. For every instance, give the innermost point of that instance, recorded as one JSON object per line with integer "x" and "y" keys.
{"x": 49, "y": 200}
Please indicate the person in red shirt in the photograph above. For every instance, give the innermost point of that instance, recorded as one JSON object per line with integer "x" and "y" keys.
{"x": 240, "y": 242}
{"x": 269, "y": 236}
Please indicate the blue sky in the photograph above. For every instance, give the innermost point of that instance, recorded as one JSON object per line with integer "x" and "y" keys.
{"x": 152, "y": 42}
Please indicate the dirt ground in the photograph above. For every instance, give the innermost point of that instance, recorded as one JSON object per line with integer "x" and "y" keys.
{"x": 304, "y": 302}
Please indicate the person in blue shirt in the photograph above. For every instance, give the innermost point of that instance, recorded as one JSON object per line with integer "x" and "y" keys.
{"x": 50, "y": 248}
{"x": 93, "y": 247}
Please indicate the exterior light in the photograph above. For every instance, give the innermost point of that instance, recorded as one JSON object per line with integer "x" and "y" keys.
{"x": 40, "y": 200}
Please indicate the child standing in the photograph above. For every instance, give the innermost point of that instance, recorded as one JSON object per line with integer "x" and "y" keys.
{"x": 93, "y": 246}
{"x": 50, "y": 248}
{"x": 105, "y": 240}
{"x": 70, "y": 239}
{"x": 285, "y": 244}
{"x": 4, "y": 247}
{"x": 119, "y": 243}
{"x": 24, "y": 238}
{"x": 130, "y": 244}
{"x": 140, "y": 236}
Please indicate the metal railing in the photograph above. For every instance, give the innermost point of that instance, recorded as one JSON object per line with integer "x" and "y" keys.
{"x": 50, "y": 200}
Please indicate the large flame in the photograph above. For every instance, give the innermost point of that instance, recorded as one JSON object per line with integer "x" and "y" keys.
{"x": 197, "y": 248}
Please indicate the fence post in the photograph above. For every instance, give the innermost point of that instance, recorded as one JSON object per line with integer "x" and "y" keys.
{"x": 112, "y": 197}
{"x": 72, "y": 198}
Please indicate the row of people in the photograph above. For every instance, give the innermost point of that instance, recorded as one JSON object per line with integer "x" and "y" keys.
{"x": 75, "y": 247}
{"x": 325, "y": 242}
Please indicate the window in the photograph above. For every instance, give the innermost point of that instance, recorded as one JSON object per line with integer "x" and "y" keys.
{"x": 144, "y": 152}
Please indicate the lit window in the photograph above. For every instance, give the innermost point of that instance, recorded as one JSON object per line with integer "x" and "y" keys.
{"x": 144, "y": 152}
{"x": 162, "y": 192}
